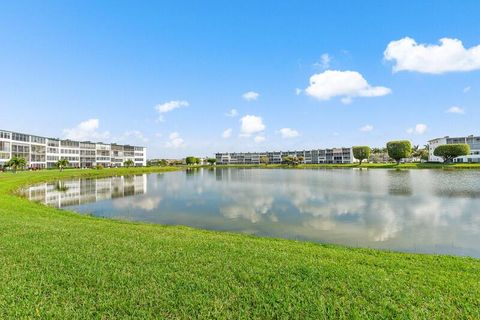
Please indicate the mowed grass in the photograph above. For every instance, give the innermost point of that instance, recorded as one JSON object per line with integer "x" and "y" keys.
{"x": 57, "y": 264}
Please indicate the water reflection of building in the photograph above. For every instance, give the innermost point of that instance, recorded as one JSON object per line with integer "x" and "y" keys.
{"x": 80, "y": 191}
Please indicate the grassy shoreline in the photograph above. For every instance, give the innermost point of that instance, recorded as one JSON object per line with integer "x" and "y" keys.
{"x": 57, "y": 264}
{"x": 451, "y": 166}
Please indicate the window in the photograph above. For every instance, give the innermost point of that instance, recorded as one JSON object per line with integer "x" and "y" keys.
{"x": 4, "y": 146}
{"x": 68, "y": 143}
{"x": 35, "y": 139}
{"x": 5, "y": 135}
{"x": 53, "y": 143}
{"x": 20, "y": 137}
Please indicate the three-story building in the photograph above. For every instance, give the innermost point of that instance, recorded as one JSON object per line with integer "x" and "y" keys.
{"x": 42, "y": 152}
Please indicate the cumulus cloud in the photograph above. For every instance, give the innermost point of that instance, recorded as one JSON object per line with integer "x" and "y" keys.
{"x": 259, "y": 139}
{"x": 324, "y": 62}
{"x": 175, "y": 141}
{"x": 418, "y": 129}
{"x": 251, "y": 124}
{"x": 448, "y": 56}
{"x": 456, "y": 110}
{"x": 345, "y": 84}
{"x": 232, "y": 113}
{"x": 250, "y": 96}
{"x": 288, "y": 133}
{"x": 134, "y": 135}
{"x": 86, "y": 130}
{"x": 227, "y": 133}
{"x": 169, "y": 106}
{"x": 366, "y": 128}
{"x": 298, "y": 91}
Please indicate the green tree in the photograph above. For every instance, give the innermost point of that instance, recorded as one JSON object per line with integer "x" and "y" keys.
{"x": 211, "y": 161}
{"x": 292, "y": 160}
{"x": 264, "y": 160}
{"x": 399, "y": 150}
{"x": 420, "y": 153}
{"x": 128, "y": 163}
{"x": 17, "y": 162}
{"x": 361, "y": 153}
{"x": 62, "y": 163}
{"x": 191, "y": 160}
{"x": 450, "y": 151}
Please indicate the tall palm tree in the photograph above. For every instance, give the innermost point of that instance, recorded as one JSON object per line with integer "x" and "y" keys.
{"x": 128, "y": 163}
{"x": 62, "y": 163}
{"x": 17, "y": 162}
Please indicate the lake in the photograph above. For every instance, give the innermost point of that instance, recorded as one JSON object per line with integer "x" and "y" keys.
{"x": 424, "y": 211}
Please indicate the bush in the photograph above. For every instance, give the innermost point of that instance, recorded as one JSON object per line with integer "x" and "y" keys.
{"x": 99, "y": 166}
{"x": 398, "y": 150}
{"x": 192, "y": 160}
{"x": 450, "y": 151}
{"x": 361, "y": 152}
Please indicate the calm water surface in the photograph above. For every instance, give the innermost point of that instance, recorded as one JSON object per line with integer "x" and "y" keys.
{"x": 428, "y": 211}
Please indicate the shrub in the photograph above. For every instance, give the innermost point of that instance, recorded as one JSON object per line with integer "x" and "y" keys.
{"x": 361, "y": 152}
{"x": 264, "y": 160}
{"x": 398, "y": 150}
{"x": 192, "y": 160}
{"x": 99, "y": 166}
{"x": 450, "y": 151}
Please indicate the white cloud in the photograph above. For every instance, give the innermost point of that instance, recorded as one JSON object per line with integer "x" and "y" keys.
{"x": 169, "y": 106}
{"x": 250, "y": 96}
{"x": 418, "y": 129}
{"x": 289, "y": 133}
{"x": 175, "y": 141}
{"x": 86, "y": 130}
{"x": 466, "y": 89}
{"x": 324, "y": 62}
{"x": 134, "y": 135}
{"x": 232, "y": 113}
{"x": 259, "y": 139}
{"x": 366, "y": 128}
{"x": 345, "y": 84}
{"x": 456, "y": 110}
{"x": 298, "y": 91}
{"x": 449, "y": 56}
{"x": 250, "y": 124}
{"x": 227, "y": 133}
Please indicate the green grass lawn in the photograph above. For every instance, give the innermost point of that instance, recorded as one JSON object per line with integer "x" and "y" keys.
{"x": 57, "y": 264}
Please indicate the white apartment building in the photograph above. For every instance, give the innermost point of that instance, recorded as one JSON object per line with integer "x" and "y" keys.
{"x": 472, "y": 141}
{"x": 316, "y": 156}
{"x": 41, "y": 152}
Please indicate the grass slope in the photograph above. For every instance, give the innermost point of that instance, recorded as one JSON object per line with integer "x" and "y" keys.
{"x": 56, "y": 264}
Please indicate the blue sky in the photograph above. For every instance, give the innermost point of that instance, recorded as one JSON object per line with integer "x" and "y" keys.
{"x": 105, "y": 70}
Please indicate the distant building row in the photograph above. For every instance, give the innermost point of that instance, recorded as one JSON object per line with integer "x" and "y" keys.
{"x": 472, "y": 141}
{"x": 41, "y": 152}
{"x": 316, "y": 156}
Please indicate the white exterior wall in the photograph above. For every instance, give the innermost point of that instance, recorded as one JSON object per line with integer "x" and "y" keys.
{"x": 5, "y": 147}
{"x": 432, "y": 144}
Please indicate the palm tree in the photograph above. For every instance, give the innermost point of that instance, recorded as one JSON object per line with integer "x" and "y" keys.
{"x": 16, "y": 162}
{"x": 128, "y": 163}
{"x": 62, "y": 163}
